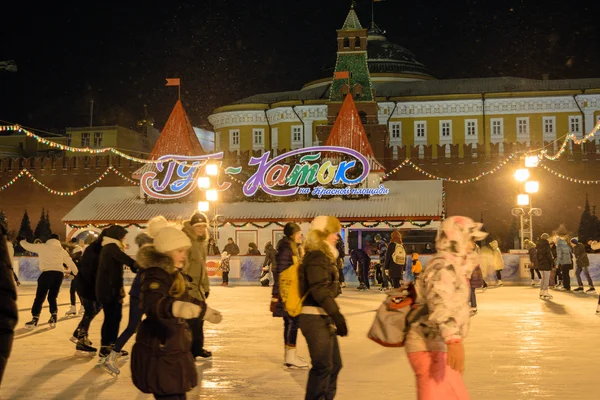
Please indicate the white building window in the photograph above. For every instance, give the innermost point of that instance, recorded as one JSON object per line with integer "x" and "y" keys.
{"x": 297, "y": 137}
{"x": 575, "y": 125}
{"x": 97, "y": 139}
{"x": 523, "y": 129}
{"x": 85, "y": 139}
{"x": 258, "y": 139}
{"x": 396, "y": 132}
{"x": 497, "y": 125}
{"x": 549, "y": 129}
{"x": 234, "y": 139}
{"x": 420, "y": 132}
{"x": 470, "y": 129}
{"x": 445, "y": 131}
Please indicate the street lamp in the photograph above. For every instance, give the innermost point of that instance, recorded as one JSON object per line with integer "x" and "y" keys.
{"x": 523, "y": 199}
{"x": 212, "y": 169}
{"x": 532, "y": 187}
{"x": 203, "y": 206}
{"x": 204, "y": 182}
{"x": 212, "y": 195}
{"x": 531, "y": 161}
{"x": 522, "y": 174}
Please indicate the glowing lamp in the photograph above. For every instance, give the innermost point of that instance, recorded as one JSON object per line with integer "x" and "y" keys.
{"x": 532, "y": 186}
{"x": 522, "y": 174}
{"x": 523, "y": 199}
{"x": 531, "y": 161}
{"x": 212, "y": 195}
{"x": 203, "y": 206}
{"x": 204, "y": 182}
{"x": 212, "y": 169}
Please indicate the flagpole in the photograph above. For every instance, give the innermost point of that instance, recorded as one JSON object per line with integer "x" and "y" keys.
{"x": 372, "y": 14}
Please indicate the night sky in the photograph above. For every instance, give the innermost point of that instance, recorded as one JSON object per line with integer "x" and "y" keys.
{"x": 224, "y": 50}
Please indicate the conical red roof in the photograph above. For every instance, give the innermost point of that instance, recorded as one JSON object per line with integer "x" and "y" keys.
{"x": 177, "y": 137}
{"x": 348, "y": 131}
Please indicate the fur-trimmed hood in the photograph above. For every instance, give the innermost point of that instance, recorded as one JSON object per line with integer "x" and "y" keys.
{"x": 188, "y": 229}
{"x": 315, "y": 243}
{"x": 149, "y": 257}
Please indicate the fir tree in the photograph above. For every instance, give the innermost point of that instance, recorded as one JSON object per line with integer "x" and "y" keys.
{"x": 586, "y": 223}
{"x": 3, "y": 217}
{"x": 595, "y": 225}
{"x": 48, "y": 229}
{"x": 39, "y": 228}
{"x": 25, "y": 229}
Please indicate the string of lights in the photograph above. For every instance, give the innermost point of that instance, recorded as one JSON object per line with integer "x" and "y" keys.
{"x": 570, "y": 137}
{"x": 568, "y": 178}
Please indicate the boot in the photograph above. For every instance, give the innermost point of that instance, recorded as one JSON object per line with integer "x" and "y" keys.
{"x": 33, "y": 323}
{"x": 110, "y": 364}
{"x": 292, "y": 360}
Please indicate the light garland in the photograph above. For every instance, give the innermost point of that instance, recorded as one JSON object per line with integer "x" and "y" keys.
{"x": 50, "y": 143}
{"x": 567, "y": 178}
{"x": 460, "y": 181}
{"x": 569, "y": 138}
{"x": 25, "y": 172}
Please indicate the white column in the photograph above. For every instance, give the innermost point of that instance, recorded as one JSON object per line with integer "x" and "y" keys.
{"x": 274, "y": 140}
{"x": 308, "y": 132}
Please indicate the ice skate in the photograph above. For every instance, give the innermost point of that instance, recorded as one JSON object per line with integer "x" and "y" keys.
{"x": 81, "y": 310}
{"x": 598, "y": 310}
{"x": 204, "y": 355}
{"x": 533, "y": 283}
{"x": 591, "y": 290}
{"x": 473, "y": 312}
{"x": 72, "y": 312}
{"x": 292, "y": 360}
{"x": 544, "y": 295}
{"x": 123, "y": 355}
{"x": 110, "y": 364}
{"x": 83, "y": 349}
{"x": 499, "y": 284}
{"x": 32, "y": 324}
{"x": 52, "y": 321}
{"x": 103, "y": 354}
{"x": 578, "y": 290}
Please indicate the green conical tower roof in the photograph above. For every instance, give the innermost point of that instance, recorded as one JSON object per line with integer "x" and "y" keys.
{"x": 352, "y": 23}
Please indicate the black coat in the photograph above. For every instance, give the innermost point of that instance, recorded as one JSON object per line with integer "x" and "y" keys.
{"x": 88, "y": 269}
{"x": 232, "y": 249}
{"x": 545, "y": 261}
{"x": 283, "y": 260}
{"x": 9, "y": 314}
{"x": 581, "y": 256}
{"x": 319, "y": 277}
{"x": 109, "y": 281}
{"x": 359, "y": 258}
{"x": 396, "y": 270}
{"x": 161, "y": 359}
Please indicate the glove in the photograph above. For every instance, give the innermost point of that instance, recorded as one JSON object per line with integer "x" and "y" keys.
{"x": 185, "y": 310}
{"x": 456, "y": 357}
{"x": 213, "y": 316}
{"x": 340, "y": 324}
{"x": 206, "y": 295}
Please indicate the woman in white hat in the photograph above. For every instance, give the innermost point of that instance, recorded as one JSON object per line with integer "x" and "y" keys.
{"x": 321, "y": 321}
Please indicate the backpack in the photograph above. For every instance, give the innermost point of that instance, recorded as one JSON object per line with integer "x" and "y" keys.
{"x": 395, "y": 316}
{"x": 289, "y": 289}
{"x": 399, "y": 256}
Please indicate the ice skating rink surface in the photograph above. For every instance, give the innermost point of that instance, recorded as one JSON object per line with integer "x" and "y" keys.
{"x": 519, "y": 347}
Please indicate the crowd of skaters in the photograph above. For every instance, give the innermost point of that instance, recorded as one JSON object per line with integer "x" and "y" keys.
{"x": 171, "y": 289}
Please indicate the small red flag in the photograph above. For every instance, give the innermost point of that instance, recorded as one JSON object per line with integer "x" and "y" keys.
{"x": 173, "y": 82}
{"x": 341, "y": 75}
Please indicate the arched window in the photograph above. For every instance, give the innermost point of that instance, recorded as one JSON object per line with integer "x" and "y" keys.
{"x": 346, "y": 42}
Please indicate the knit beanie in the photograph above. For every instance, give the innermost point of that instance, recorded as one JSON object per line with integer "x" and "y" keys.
{"x": 326, "y": 224}
{"x": 198, "y": 218}
{"x": 171, "y": 238}
{"x": 545, "y": 236}
{"x": 574, "y": 241}
{"x": 290, "y": 229}
{"x": 156, "y": 224}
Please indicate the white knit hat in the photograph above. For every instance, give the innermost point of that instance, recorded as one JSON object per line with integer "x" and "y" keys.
{"x": 156, "y": 224}
{"x": 170, "y": 238}
{"x": 326, "y": 224}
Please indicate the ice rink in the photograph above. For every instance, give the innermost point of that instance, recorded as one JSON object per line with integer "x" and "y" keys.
{"x": 519, "y": 347}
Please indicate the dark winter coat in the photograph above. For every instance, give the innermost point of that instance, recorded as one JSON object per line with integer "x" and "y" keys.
{"x": 161, "y": 360}
{"x": 581, "y": 256}
{"x": 283, "y": 260}
{"x": 533, "y": 257}
{"x": 544, "y": 259}
{"x": 109, "y": 281}
{"x": 319, "y": 277}
{"x": 9, "y": 314}
{"x": 340, "y": 248}
{"x": 88, "y": 270}
{"x": 253, "y": 251}
{"x": 476, "y": 280}
{"x": 359, "y": 258}
{"x": 136, "y": 285}
{"x": 270, "y": 259}
{"x": 232, "y": 249}
{"x": 212, "y": 250}
{"x": 396, "y": 270}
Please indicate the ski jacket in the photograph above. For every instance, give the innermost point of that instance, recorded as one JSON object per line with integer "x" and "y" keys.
{"x": 52, "y": 256}
{"x": 196, "y": 269}
{"x": 319, "y": 280}
{"x": 109, "y": 279}
{"x": 581, "y": 256}
{"x": 161, "y": 360}
{"x": 544, "y": 259}
{"x": 88, "y": 270}
{"x": 563, "y": 253}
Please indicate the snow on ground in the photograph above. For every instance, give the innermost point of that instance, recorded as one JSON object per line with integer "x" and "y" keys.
{"x": 519, "y": 348}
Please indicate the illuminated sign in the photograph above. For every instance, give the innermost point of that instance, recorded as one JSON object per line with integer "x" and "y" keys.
{"x": 273, "y": 176}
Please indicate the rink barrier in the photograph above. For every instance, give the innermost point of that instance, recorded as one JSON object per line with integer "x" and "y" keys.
{"x": 246, "y": 270}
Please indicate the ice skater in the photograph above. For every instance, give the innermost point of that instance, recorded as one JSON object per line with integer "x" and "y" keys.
{"x": 395, "y": 259}
{"x": 9, "y": 314}
{"x": 497, "y": 261}
{"x": 544, "y": 264}
{"x": 563, "y": 259}
{"x": 109, "y": 286}
{"x": 161, "y": 359}
{"x": 51, "y": 256}
{"x": 531, "y": 249}
{"x": 360, "y": 261}
{"x": 321, "y": 321}
{"x": 583, "y": 262}
{"x": 225, "y": 267}
{"x": 434, "y": 342}
{"x": 76, "y": 254}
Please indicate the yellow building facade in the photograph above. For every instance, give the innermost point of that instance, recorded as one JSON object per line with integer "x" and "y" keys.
{"x": 417, "y": 109}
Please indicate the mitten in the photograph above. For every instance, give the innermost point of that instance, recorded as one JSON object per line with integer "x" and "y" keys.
{"x": 340, "y": 324}
{"x": 213, "y": 316}
{"x": 185, "y": 310}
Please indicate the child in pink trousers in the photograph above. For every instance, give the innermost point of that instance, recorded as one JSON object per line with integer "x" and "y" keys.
{"x": 434, "y": 342}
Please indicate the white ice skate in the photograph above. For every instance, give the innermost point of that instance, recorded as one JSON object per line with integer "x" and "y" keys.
{"x": 72, "y": 312}
{"x": 52, "y": 321}
{"x": 544, "y": 295}
{"x": 110, "y": 364}
{"x": 292, "y": 360}
{"x": 81, "y": 310}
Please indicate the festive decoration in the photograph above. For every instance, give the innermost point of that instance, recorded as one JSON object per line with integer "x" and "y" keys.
{"x": 71, "y": 193}
{"x": 569, "y": 137}
{"x": 567, "y": 178}
{"x": 102, "y": 226}
{"x": 460, "y": 181}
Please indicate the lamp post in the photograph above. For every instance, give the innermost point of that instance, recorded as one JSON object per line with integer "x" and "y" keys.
{"x": 526, "y": 212}
{"x": 211, "y": 195}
